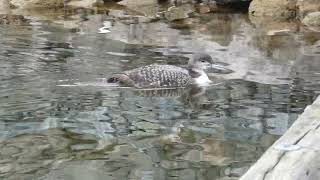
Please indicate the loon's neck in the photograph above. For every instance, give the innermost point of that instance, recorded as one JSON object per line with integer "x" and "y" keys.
{"x": 194, "y": 72}
{"x": 199, "y": 77}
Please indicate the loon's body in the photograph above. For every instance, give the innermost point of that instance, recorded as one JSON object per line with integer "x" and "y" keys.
{"x": 161, "y": 76}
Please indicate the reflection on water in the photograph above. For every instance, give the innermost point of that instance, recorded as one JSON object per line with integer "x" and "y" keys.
{"x": 59, "y": 120}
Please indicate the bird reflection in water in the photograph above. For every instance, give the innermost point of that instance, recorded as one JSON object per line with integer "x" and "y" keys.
{"x": 193, "y": 96}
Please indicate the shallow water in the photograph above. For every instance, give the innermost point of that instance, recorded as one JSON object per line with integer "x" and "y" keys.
{"x": 60, "y": 120}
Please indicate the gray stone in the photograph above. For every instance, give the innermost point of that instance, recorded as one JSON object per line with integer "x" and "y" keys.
{"x": 283, "y": 9}
{"x": 50, "y": 4}
{"x": 312, "y": 19}
{"x": 37, "y": 4}
{"x": 275, "y": 9}
{"x": 307, "y": 6}
{"x": 4, "y": 6}
{"x": 178, "y": 13}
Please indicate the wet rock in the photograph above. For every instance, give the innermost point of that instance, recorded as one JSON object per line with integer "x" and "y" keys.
{"x": 275, "y": 9}
{"x": 178, "y": 13}
{"x": 52, "y": 4}
{"x": 312, "y": 19}
{"x": 116, "y": 13}
{"x": 307, "y": 6}
{"x": 84, "y": 3}
{"x": 203, "y": 8}
{"x": 4, "y": 6}
{"x": 175, "y": 13}
{"x": 37, "y": 4}
{"x": 106, "y": 1}
{"x": 278, "y": 32}
{"x": 147, "y": 8}
{"x": 220, "y": 2}
{"x": 12, "y": 19}
{"x": 231, "y": 1}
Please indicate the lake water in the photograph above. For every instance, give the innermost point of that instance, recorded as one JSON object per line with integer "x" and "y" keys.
{"x": 59, "y": 119}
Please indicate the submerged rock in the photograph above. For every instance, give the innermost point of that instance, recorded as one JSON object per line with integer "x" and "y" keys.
{"x": 312, "y": 19}
{"x": 147, "y": 8}
{"x": 13, "y": 19}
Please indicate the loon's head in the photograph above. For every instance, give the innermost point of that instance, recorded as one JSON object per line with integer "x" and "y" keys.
{"x": 196, "y": 67}
{"x": 200, "y": 61}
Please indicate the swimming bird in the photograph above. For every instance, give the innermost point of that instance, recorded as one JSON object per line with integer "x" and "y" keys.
{"x": 167, "y": 76}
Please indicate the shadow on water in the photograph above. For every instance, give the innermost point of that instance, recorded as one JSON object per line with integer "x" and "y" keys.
{"x": 59, "y": 120}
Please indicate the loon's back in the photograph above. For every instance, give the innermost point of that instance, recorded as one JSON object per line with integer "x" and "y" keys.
{"x": 153, "y": 76}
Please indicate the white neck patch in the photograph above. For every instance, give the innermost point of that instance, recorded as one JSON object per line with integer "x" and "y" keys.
{"x": 202, "y": 80}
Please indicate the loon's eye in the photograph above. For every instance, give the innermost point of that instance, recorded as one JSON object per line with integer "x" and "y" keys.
{"x": 203, "y": 61}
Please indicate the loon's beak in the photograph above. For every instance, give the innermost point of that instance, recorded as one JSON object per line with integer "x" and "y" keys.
{"x": 220, "y": 69}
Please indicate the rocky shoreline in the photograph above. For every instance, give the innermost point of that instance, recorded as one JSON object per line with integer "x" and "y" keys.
{"x": 305, "y": 11}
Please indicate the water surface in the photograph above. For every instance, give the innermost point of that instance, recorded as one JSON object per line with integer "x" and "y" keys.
{"x": 60, "y": 120}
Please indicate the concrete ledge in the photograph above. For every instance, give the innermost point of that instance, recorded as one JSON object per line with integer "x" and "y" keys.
{"x": 296, "y": 155}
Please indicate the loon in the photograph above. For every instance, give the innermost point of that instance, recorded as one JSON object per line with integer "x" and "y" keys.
{"x": 167, "y": 76}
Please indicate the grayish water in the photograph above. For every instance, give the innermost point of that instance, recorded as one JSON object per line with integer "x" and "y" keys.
{"x": 60, "y": 120}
